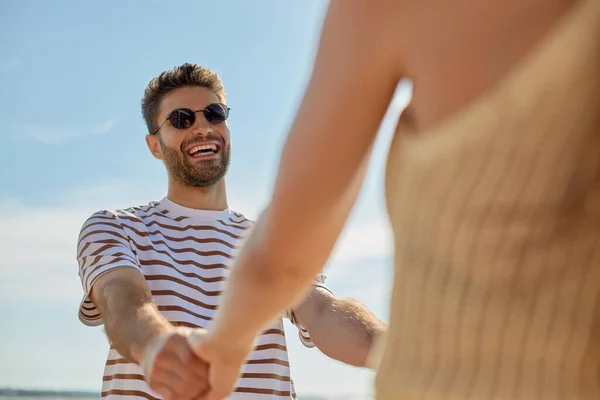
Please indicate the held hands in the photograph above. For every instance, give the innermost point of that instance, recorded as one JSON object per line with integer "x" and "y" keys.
{"x": 190, "y": 364}
{"x": 172, "y": 369}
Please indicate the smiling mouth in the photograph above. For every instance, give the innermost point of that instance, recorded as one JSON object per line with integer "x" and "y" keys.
{"x": 203, "y": 150}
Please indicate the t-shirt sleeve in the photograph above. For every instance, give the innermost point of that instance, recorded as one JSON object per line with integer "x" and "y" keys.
{"x": 302, "y": 331}
{"x": 103, "y": 246}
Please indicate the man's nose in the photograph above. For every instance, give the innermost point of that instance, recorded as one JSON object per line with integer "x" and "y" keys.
{"x": 201, "y": 126}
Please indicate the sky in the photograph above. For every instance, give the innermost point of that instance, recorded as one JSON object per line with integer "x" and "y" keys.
{"x": 72, "y": 74}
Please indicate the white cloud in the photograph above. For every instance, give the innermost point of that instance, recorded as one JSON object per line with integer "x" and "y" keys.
{"x": 53, "y": 135}
{"x": 367, "y": 233}
{"x": 38, "y": 243}
{"x": 362, "y": 240}
{"x": 38, "y": 253}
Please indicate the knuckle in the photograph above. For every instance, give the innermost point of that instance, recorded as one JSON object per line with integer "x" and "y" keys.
{"x": 189, "y": 363}
{"x": 162, "y": 358}
{"x": 172, "y": 341}
{"x": 176, "y": 341}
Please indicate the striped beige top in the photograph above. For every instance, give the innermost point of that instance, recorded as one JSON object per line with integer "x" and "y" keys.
{"x": 496, "y": 218}
{"x": 184, "y": 255}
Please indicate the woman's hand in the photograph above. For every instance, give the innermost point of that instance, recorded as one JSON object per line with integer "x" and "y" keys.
{"x": 225, "y": 361}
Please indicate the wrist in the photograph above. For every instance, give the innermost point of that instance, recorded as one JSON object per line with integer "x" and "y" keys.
{"x": 234, "y": 347}
{"x": 146, "y": 348}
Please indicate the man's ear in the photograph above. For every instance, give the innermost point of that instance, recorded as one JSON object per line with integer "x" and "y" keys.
{"x": 154, "y": 146}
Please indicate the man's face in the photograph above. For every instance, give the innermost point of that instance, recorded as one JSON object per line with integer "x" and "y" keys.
{"x": 178, "y": 148}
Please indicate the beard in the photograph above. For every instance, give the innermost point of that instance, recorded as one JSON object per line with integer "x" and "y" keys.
{"x": 202, "y": 173}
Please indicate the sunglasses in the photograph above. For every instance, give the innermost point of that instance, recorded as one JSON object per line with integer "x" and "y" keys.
{"x": 183, "y": 118}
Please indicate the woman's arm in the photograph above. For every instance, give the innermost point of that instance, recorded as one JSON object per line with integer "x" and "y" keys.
{"x": 321, "y": 171}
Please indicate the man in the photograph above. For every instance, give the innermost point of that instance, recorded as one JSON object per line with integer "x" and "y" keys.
{"x": 153, "y": 273}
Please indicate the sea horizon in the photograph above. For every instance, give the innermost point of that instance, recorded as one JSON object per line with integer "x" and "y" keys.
{"x": 9, "y": 393}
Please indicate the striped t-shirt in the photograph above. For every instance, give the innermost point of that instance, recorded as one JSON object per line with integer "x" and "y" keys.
{"x": 184, "y": 255}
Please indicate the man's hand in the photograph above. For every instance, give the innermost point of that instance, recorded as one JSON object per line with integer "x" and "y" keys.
{"x": 172, "y": 369}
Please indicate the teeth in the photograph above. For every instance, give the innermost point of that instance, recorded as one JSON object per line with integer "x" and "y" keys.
{"x": 194, "y": 149}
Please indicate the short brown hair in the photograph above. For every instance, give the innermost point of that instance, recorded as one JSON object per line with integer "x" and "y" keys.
{"x": 180, "y": 76}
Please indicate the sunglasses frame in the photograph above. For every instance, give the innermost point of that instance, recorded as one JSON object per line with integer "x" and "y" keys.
{"x": 203, "y": 111}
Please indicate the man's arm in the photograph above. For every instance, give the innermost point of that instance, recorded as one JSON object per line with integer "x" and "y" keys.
{"x": 131, "y": 319}
{"x": 342, "y": 329}
{"x": 114, "y": 282}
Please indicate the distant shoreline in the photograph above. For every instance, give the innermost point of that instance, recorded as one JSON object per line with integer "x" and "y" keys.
{"x": 7, "y": 392}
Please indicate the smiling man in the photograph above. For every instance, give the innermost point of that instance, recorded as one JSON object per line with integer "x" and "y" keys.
{"x": 151, "y": 274}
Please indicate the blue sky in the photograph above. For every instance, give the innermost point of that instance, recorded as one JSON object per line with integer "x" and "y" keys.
{"x": 72, "y": 75}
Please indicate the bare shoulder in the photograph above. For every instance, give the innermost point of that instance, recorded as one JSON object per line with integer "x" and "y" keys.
{"x": 358, "y": 49}
{"x": 366, "y": 27}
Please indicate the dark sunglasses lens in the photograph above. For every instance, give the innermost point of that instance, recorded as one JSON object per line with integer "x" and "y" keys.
{"x": 182, "y": 118}
{"x": 216, "y": 113}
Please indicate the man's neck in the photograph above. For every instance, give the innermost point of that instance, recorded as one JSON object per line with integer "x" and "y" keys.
{"x": 200, "y": 198}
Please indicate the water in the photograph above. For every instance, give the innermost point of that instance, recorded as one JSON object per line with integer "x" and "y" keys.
{"x": 90, "y": 396}
{"x": 6, "y": 397}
